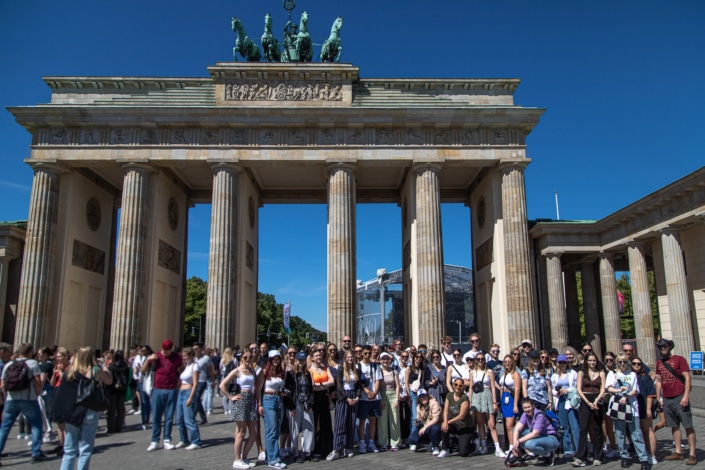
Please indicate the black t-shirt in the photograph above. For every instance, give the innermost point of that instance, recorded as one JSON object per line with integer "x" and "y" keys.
{"x": 47, "y": 367}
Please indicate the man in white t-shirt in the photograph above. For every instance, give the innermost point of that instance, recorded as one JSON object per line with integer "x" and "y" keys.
{"x": 369, "y": 407}
{"x": 207, "y": 372}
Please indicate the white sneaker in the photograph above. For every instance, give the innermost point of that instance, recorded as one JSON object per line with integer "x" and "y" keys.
{"x": 262, "y": 456}
{"x": 180, "y": 445}
{"x": 277, "y": 465}
{"x": 349, "y": 453}
{"x": 193, "y": 447}
{"x": 654, "y": 461}
{"x": 372, "y": 447}
{"x": 248, "y": 463}
{"x": 499, "y": 452}
{"x": 435, "y": 451}
{"x": 168, "y": 445}
{"x": 153, "y": 446}
{"x": 443, "y": 454}
{"x": 412, "y": 447}
{"x": 239, "y": 464}
{"x": 333, "y": 456}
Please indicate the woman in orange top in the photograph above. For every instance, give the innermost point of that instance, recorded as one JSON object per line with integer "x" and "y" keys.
{"x": 322, "y": 380}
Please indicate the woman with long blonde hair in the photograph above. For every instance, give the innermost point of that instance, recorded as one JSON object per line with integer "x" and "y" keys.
{"x": 61, "y": 365}
{"x": 80, "y": 434}
{"x": 484, "y": 398}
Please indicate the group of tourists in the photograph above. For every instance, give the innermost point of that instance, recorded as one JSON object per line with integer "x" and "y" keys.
{"x": 322, "y": 402}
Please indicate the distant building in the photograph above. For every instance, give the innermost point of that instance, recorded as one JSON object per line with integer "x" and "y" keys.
{"x": 460, "y": 312}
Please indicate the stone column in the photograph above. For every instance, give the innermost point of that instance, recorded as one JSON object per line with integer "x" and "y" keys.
{"x": 521, "y": 316}
{"x": 429, "y": 255}
{"x": 556, "y": 301}
{"x": 641, "y": 302}
{"x": 38, "y": 263}
{"x": 610, "y": 304}
{"x": 221, "y": 307}
{"x": 342, "y": 199}
{"x": 127, "y": 316}
{"x": 572, "y": 307}
{"x": 4, "y": 266}
{"x": 677, "y": 290}
{"x": 592, "y": 322}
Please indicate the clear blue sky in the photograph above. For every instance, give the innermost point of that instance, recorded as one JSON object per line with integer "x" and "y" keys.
{"x": 620, "y": 81}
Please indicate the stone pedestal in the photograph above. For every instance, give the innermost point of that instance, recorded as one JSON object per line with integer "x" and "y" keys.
{"x": 610, "y": 305}
{"x": 38, "y": 263}
{"x": 128, "y": 305}
{"x": 556, "y": 301}
{"x": 520, "y": 304}
{"x": 677, "y": 290}
{"x": 221, "y": 310}
{"x": 641, "y": 302}
{"x": 591, "y": 318}
{"x": 429, "y": 255}
{"x": 341, "y": 251}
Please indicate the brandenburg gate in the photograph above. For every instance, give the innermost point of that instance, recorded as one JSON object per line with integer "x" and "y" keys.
{"x": 118, "y": 161}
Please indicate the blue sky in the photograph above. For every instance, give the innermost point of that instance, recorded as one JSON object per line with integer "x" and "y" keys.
{"x": 620, "y": 81}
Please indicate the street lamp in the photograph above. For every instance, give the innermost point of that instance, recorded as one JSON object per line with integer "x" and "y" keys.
{"x": 460, "y": 332}
{"x": 381, "y": 277}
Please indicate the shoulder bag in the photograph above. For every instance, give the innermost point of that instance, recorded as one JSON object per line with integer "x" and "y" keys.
{"x": 91, "y": 394}
{"x": 479, "y": 387}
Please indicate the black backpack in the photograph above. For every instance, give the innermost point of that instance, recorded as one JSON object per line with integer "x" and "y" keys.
{"x": 17, "y": 376}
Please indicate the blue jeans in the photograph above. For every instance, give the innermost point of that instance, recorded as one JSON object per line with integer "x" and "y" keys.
{"x": 79, "y": 440}
{"x": 620, "y": 430}
{"x": 272, "y": 405}
{"x": 541, "y": 445}
{"x": 186, "y": 418}
{"x": 433, "y": 435}
{"x": 208, "y": 397}
{"x": 569, "y": 421}
{"x": 30, "y": 409}
{"x": 200, "y": 388}
{"x": 163, "y": 404}
{"x": 146, "y": 404}
{"x": 412, "y": 394}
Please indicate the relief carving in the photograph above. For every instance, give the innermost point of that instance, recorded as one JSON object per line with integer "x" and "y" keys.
{"x": 59, "y": 137}
{"x": 118, "y": 137}
{"x": 169, "y": 257}
{"x": 238, "y": 137}
{"x": 384, "y": 136}
{"x": 414, "y": 137}
{"x": 93, "y": 214}
{"x": 249, "y": 256}
{"x": 276, "y": 90}
{"x": 484, "y": 254}
{"x": 471, "y": 137}
{"x": 149, "y": 137}
{"x": 88, "y": 137}
{"x": 357, "y": 137}
{"x": 173, "y": 211}
{"x": 87, "y": 257}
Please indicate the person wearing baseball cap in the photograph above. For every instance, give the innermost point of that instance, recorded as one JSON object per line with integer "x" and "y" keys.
{"x": 525, "y": 348}
{"x": 167, "y": 365}
{"x": 428, "y": 422}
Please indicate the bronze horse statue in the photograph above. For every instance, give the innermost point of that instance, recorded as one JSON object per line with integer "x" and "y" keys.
{"x": 331, "y": 49}
{"x": 244, "y": 45}
{"x": 304, "y": 46}
{"x": 270, "y": 45}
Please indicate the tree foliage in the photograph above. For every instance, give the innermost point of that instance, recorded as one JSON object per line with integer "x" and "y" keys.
{"x": 270, "y": 318}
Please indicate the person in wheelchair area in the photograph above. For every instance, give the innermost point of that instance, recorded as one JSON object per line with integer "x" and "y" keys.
{"x": 535, "y": 434}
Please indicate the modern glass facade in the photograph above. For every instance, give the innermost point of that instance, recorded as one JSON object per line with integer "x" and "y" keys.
{"x": 383, "y": 297}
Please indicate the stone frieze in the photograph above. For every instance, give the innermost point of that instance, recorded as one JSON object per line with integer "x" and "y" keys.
{"x": 169, "y": 257}
{"x": 88, "y": 257}
{"x": 279, "y": 90}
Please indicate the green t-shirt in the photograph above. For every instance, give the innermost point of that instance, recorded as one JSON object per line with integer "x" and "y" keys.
{"x": 454, "y": 410}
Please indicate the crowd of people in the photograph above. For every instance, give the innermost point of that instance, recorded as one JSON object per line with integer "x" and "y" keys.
{"x": 322, "y": 402}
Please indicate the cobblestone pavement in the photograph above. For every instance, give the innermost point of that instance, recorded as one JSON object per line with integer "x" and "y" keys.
{"x": 127, "y": 450}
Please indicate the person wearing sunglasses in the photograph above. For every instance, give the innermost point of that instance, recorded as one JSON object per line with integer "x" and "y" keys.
{"x": 388, "y": 423}
{"x": 536, "y": 383}
{"x": 298, "y": 400}
{"x": 333, "y": 366}
{"x": 645, "y": 399}
{"x": 609, "y": 363}
{"x": 457, "y": 370}
{"x": 404, "y": 399}
{"x": 510, "y": 388}
{"x": 547, "y": 364}
{"x": 288, "y": 364}
{"x": 591, "y": 390}
{"x": 623, "y": 386}
{"x": 349, "y": 385}
{"x": 484, "y": 402}
{"x": 516, "y": 355}
{"x": 447, "y": 351}
{"x": 563, "y": 382}
{"x": 427, "y": 428}
{"x": 457, "y": 420}
{"x": 535, "y": 433}
{"x": 575, "y": 359}
{"x": 255, "y": 364}
{"x": 414, "y": 382}
{"x": 434, "y": 381}
{"x": 369, "y": 408}
{"x": 673, "y": 379}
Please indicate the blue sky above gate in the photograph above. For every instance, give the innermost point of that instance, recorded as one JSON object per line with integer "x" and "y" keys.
{"x": 620, "y": 81}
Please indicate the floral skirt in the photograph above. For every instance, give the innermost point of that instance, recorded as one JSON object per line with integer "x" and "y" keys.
{"x": 244, "y": 408}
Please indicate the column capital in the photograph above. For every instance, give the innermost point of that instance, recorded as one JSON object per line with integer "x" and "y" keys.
{"x": 332, "y": 165}
{"x": 50, "y": 166}
{"x": 518, "y": 164}
{"x": 605, "y": 255}
{"x": 635, "y": 244}
{"x": 552, "y": 254}
{"x": 669, "y": 229}
{"x": 232, "y": 166}
{"x": 143, "y": 166}
{"x": 420, "y": 165}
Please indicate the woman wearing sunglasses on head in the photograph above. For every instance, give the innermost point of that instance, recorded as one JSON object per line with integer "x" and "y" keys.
{"x": 623, "y": 386}
{"x": 591, "y": 389}
{"x": 457, "y": 420}
{"x": 510, "y": 388}
{"x": 482, "y": 397}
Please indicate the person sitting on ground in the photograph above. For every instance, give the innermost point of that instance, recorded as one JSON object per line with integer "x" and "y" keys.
{"x": 535, "y": 433}
{"x": 428, "y": 422}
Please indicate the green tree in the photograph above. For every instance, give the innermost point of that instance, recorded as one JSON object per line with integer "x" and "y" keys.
{"x": 195, "y": 312}
{"x": 270, "y": 318}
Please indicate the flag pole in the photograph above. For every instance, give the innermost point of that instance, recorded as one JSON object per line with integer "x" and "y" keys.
{"x": 288, "y": 334}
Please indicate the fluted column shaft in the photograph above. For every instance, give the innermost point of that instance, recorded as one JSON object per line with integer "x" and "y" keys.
{"x": 129, "y": 264}
{"x": 572, "y": 307}
{"x": 610, "y": 304}
{"x": 556, "y": 301}
{"x": 521, "y": 317}
{"x": 221, "y": 306}
{"x": 429, "y": 255}
{"x": 38, "y": 261}
{"x": 342, "y": 200}
{"x": 592, "y": 322}
{"x": 677, "y": 290}
{"x": 641, "y": 302}
{"x": 4, "y": 266}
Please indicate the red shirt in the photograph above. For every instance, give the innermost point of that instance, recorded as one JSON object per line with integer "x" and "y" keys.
{"x": 670, "y": 385}
{"x": 166, "y": 374}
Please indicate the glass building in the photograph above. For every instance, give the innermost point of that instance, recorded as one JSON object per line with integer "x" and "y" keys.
{"x": 382, "y": 297}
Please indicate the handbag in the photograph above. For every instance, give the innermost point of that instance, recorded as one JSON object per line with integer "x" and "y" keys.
{"x": 574, "y": 399}
{"x": 148, "y": 382}
{"x": 91, "y": 394}
{"x": 479, "y": 387}
{"x": 620, "y": 412}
